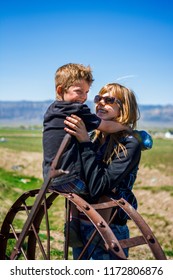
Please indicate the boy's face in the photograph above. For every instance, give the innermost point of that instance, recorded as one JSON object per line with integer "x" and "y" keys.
{"x": 77, "y": 93}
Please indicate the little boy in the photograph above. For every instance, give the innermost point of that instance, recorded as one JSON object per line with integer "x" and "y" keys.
{"x": 72, "y": 82}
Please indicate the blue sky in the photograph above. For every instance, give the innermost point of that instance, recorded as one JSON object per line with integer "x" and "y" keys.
{"x": 129, "y": 42}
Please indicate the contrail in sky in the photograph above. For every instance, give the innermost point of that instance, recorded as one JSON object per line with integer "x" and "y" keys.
{"x": 126, "y": 77}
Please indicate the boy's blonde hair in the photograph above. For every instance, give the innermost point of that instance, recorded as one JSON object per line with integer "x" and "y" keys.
{"x": 70, "y": 73}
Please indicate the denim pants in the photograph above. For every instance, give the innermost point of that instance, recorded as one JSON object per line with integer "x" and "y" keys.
{"x": 100, "y": 253}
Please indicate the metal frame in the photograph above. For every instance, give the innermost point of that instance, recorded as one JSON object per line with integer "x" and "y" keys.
{"x": 102, "y": 228}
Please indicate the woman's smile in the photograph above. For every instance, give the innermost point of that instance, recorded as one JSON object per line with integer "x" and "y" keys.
{"x": 101, "y": 110}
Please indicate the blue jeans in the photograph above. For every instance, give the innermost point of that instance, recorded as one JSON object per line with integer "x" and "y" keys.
{"x": 100, "y": 253}
{"x": 77, "y": 186}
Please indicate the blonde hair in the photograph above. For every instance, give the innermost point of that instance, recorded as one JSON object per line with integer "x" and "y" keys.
{"x": 129, "y": 114}
{"x": 70, "y": 73}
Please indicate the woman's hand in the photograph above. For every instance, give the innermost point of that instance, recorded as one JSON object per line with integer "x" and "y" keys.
{"x": 76, "y": 127}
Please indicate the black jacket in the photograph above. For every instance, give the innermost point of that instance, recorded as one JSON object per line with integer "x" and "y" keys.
{"x": 120, "y": 174}
{"x": 53, "y": 134}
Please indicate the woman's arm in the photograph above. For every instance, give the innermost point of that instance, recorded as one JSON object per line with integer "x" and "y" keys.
{"x": 102, "y": 125}
{"x": 112, "y": 126}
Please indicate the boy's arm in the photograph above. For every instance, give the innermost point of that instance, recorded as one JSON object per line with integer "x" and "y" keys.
{"x": 111, "y": 126}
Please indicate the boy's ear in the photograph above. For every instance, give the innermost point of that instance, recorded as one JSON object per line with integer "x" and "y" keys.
{"x": 59, "y": 92}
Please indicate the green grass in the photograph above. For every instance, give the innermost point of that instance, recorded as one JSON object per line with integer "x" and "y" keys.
{"x": 10, "y": 180}
{"x": 160, "y": 156}
{"x": 22, "y": 139}
{"x": 11, "y": 188}
{"x": 169, "y": 253}
{"x": 20, "y": 130}
{"x": 158, "y": 189}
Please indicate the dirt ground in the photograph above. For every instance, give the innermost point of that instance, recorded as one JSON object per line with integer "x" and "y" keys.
{"x": 159, "y": 205}
{"x": 30, "y": 163}
{"x": 27, "y": 163}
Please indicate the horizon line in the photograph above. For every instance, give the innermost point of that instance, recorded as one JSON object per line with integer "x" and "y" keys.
{"x": 89, "y": 100}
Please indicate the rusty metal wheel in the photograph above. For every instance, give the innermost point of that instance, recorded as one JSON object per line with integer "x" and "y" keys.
{"x": 34, "y": 246}
{"x": 39, "y": 230}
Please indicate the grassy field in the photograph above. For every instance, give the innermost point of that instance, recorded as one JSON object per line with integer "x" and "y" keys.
{"x": 159, "y": 156}
{"x": 31, "y": 141}
{"x": 21, "y": 139}
{"x": 13, "y": 183}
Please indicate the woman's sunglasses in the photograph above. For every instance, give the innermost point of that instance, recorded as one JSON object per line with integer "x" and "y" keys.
{"x": 107, "y": 100}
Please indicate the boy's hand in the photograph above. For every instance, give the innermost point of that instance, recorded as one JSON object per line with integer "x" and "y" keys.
{"x": 76, "y": 127}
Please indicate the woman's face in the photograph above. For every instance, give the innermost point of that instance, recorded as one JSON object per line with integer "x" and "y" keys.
{"x": 107, "y": 111}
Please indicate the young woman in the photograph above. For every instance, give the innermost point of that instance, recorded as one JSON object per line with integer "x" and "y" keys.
{"x": 110, "y": 161}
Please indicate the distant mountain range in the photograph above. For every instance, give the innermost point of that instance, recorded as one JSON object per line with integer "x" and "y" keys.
{"x": 17, "y": 113}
